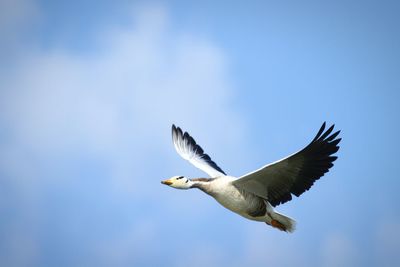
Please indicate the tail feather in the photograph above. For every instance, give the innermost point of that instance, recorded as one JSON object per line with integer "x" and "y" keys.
{"x": 283, "y": 222}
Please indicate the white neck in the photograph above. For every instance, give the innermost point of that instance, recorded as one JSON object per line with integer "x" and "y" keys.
{"x": 202, "y": 185}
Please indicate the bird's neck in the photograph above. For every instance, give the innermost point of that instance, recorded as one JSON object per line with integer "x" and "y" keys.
{"x": 201, "y": 183}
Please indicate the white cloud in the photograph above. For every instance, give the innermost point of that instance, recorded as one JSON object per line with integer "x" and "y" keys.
{"x": 125, "y": 97}
{"x": 115, "y": 105}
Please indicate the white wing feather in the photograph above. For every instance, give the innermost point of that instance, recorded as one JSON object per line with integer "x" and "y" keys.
{"x": 187, "y": 148}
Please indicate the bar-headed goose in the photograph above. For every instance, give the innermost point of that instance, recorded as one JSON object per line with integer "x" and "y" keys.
{"x": 254, "y": 195}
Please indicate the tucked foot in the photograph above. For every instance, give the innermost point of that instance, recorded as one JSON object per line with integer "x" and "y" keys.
{"x": 278, "y": 225}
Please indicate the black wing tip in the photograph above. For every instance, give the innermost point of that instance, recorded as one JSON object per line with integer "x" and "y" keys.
{"x": 326, "y": 136}
{"x": 174, "y": 128}
{"x": 320, "y": 153}
{"x": 320, "y": 131}
{"x": 323, "y": 126}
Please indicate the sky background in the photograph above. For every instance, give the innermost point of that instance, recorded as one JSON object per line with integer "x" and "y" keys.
{"x": 88, "y": 93}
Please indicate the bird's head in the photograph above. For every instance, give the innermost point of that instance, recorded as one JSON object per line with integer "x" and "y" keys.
{"x": 180, "y": 182}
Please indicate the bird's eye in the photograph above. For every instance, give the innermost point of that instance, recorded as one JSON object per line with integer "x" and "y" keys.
{"x": 180, "y": 177}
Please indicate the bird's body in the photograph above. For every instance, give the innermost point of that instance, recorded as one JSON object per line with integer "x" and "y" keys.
{"x": 246, "y": 204}
{"x": 254, "y": 195}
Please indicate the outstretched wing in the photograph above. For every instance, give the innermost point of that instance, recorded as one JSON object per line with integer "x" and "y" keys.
{"x": 295, "y": 174}
{"x": 189, "y": 150}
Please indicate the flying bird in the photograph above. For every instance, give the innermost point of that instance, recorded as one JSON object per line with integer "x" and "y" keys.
{"x": 256, "y": 194}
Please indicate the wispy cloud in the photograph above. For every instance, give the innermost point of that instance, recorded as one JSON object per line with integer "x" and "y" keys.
{"x": 64, "y": 115}
{"x": 85, "y": 140}
{"x": 140, "y": 80}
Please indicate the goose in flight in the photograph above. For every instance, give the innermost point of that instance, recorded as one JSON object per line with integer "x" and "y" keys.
{"x": 254, "y": 195}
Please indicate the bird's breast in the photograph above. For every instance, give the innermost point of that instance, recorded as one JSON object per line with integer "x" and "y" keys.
{"x": 235, "y": 200}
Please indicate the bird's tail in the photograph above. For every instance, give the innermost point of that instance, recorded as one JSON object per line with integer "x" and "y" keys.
{"x": 282, "y": 222}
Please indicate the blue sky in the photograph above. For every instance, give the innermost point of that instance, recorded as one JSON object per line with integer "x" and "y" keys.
{"x": 89, "y": 90}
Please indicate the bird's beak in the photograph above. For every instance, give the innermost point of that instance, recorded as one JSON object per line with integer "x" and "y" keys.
{"x": 167, "y": 182}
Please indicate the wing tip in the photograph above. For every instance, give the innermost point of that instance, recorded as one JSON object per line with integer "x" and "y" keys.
{"x": 327, "y": 135}
{"x": 174, "y": 128}
{"x": 179, "y": 137}
{"x": 174, "y": 131}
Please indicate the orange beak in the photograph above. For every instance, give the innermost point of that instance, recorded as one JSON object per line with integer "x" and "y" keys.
{"x": 167, "y": 182}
